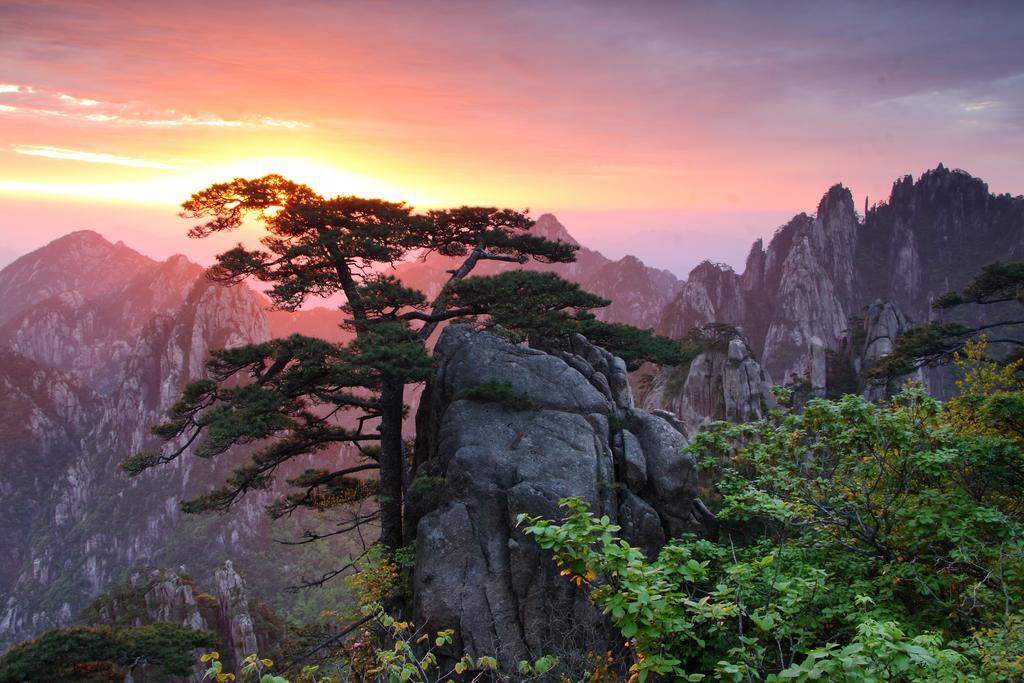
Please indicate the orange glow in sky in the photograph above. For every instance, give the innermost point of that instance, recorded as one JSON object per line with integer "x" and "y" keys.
{"x": 695, "y": 125}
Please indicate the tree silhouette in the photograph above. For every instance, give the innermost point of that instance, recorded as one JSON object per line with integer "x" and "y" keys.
{"x": 285, "y": 396}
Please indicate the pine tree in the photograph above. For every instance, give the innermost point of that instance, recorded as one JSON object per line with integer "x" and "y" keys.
{"x": 286, "y": 394}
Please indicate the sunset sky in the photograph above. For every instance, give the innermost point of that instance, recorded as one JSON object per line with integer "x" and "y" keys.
{"x": 675, "y": 131}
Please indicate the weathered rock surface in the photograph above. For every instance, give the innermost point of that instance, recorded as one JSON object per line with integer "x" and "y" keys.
{"x": 883, "y": 323}
{"x": 172, "y": 597}
{"x": 475, "y": 571}
{"x": 719, "y": 384}
{"x": 237, "y": 627}
{"x": 872, "y": 337}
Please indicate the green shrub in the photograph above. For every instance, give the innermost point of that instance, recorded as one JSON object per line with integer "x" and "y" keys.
{"x": 859, "y": 542}
{"x": 102, "y": 653}
{"x": 493, "y": 391}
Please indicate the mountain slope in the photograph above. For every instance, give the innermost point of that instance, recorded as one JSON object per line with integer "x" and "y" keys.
{"x": 86, "y": 370}
{"x": 82, "y": 262}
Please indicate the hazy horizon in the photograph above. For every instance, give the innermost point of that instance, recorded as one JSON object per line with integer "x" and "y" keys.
{"x": 675, "y": 242}
{"x": 672, "y": 242}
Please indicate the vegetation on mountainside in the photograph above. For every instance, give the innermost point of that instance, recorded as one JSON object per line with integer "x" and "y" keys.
{"x": 999, "y": 286}
{"x": 100, "y": 654}
{"x": 859, "y": 542}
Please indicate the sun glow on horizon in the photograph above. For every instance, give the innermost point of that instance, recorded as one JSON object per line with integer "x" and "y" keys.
{"x": 173, "y": 188}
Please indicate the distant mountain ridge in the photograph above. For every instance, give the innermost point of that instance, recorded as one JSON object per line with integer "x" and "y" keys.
{"x": 795, "y": 298}
{"x": 638, "y": 292}
{"x": 82, "y": 261}
{"x": 100, "y": 345}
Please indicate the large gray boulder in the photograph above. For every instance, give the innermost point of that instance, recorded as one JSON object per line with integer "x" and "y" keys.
{"x": 873, "y": 338}
{"x": 480, "y": 463}
{"x": 883, "y": 322}
{"x": 719, "y": 384}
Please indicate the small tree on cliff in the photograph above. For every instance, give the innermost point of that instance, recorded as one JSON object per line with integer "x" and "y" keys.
{"x": 937, "y": 342}
{"x": 287, "y": 394}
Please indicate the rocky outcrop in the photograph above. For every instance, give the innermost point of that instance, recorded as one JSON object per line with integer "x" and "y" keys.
{"x": 870, "y": 338}
{"x": 238, "y": 631}
{"x": 91, "y": 336}
{"x": 476, "y": 572}
{"x": 932, "y": 235}
{"x": 790, "y": 294}
{"x": 881, "y": 325}
{"x": 242, "y": 626}
{"x": 712, "y": 292}
{"x": 720, "y": 384}
{"x": 170, "y": 599}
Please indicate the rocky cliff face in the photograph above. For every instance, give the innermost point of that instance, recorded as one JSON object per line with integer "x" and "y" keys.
{"x": 242, "y": 625}
{"x": 720, "y": 384}
{"x": 870, "y": 338}
{"x": 794, "y": 298}
{"x": 44, "y": 415}
{"x": 487, "y": 461}
{"x": 932, "y": 235}
{"x": 86, "y": 370}
{"x": 91, "y": 335}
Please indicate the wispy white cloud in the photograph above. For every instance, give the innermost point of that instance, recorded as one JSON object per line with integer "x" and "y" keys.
{"x": 89, "y": 157}
{"x": 80, "y": 101}
{"x": 15, "y": 88}
{"x": 28, "y": 101}
{"x": 980, "y": 106}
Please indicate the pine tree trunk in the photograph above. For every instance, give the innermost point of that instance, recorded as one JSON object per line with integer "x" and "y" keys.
{"x": 391, "y": 463}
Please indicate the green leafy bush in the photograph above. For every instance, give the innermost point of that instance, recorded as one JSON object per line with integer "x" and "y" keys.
{"x": 859, "y": 542}
{"x": 102, "y": 653}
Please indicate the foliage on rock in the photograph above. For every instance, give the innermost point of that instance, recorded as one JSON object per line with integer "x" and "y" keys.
{"x": 859, "y": 541}
{"x": 502, "y": 393}
{"x": 999, "y": 285}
